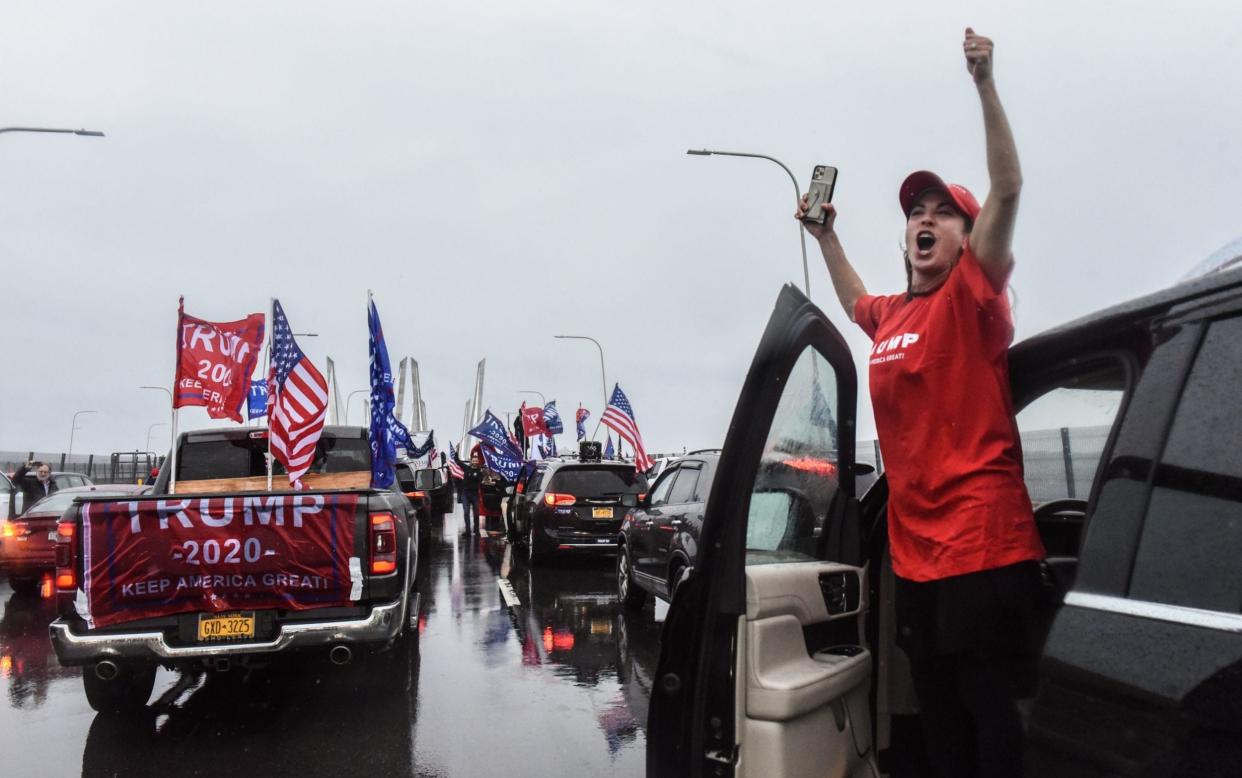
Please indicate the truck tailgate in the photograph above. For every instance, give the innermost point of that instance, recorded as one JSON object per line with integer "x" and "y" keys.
{"x": 221, "y": 554}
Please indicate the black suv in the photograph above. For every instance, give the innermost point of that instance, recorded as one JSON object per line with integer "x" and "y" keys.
{"x": 779, "y": 651}
{"x": 658, "y": 544}
{"x": 572, "y": 505}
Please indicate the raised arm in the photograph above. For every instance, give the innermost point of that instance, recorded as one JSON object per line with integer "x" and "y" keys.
{"x": 992, "y": 237}
{"x": 847, "y": 283}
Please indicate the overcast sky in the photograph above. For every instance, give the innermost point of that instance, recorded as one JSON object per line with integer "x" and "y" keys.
{"x": 502, "y": 172}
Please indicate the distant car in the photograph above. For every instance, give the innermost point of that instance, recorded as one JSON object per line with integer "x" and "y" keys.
{"x": 658, "y": 542}
{"x": 28, "y": 543}
{"x": 11, "y": 498}
{"x": 658, "y": 467}
{"x": 571, "y": 505}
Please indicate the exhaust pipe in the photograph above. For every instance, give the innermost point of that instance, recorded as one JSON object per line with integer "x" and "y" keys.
{"x": 340, "y": 655}
{"x": 106, "y": 670}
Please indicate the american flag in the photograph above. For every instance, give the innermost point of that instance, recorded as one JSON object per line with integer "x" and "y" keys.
{"x": 297, "y": 401}
{"x": 619, "y": 416}
{"x": 453, "y": 466}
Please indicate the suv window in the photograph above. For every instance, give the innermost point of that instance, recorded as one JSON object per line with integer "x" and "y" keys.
{"x": 683, "y": 490}
{"x": 405, "y": 478}
{"x": 597, "y": 481}
{"x": 1192, "y": 536}
{"x": 244, "y": 458}
{"x": 663, "y": 486}
{"x": 1065, "y": 430}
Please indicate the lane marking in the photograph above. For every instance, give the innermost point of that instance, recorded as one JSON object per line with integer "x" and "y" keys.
{"x": 506, "y": 591}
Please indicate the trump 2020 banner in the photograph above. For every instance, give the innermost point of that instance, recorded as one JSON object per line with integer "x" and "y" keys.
{"x": 149, "y": 558}
{"x": 214, "y": 363}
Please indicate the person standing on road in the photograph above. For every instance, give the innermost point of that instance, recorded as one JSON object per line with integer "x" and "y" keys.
{"x": 41, "y": 487}
{"x": 468, "y": 493}
{"x": 964, "y": 545}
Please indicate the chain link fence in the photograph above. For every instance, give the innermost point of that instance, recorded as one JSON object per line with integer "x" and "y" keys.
{"x": 119, "y": 467}
{"x": 1057, "y": 463}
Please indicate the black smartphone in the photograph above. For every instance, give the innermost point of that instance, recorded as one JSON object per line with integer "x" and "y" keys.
{"x": 823, "y": 181}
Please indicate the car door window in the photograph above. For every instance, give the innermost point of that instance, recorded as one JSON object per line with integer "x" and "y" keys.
{"x": 1192, "y": 535}
{"x": 683, "y": 491}
{"x": 659, "y": 496}
{"x": 798, "y": 473}
{"x": 1064, "y": 432}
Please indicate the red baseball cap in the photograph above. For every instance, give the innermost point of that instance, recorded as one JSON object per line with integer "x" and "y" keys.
{"x": 920, "y": 181}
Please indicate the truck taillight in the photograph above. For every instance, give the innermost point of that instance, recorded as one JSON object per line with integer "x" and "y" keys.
{"x": 66, "y": 571}
{"x": 554, "y": 498}
{"x": 383, "y": 543}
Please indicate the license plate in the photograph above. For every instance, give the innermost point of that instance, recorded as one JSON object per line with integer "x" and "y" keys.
{"x": 601, "y": 513}
{"x": 226, "y": 626}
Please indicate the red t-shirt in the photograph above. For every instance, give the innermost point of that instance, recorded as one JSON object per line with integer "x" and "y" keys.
{"x": 944, "y": 414}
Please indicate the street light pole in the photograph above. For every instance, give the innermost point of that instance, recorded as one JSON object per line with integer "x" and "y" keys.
{"x": 542, "y": 401}
{"x": 806, "y": 272}
{"x": 88, "y": 133}
{"x": 603, "y": 381}
{"x": 73, "y": 426}
{"x": 349, "y": 397}
{"x": 150, "y": 427}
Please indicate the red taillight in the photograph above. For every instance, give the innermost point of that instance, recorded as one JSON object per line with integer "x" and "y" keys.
{"x": 555, "y": 498}
{"x": 383, "y": 543}
{"x": 66, "y": 570}
{"x": 813, "y": 465}
{"x": 521, "y": 487}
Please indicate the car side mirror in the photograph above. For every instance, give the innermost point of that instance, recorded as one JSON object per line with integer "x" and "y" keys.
{"x": 19, "y": 503}
{"x": 629, "y": 500}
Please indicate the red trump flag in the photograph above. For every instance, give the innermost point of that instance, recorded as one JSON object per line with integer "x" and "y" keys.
{"x": 532, "y": 421}
{"x": 214, "y": 363}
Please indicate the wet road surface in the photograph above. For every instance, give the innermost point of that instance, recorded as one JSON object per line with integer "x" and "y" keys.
{"x": 557, "y": 684}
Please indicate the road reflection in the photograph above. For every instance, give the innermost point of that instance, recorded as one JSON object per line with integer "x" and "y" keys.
{"x": 27, "y": 665}
{"x": 552, "y": 679}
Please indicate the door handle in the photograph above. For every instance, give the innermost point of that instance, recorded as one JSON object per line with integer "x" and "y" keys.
{"x": 676, "y": 523}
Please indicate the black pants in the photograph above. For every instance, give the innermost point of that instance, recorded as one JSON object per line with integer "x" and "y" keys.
{"x": 973, "y": 642}
{"x": 470, "y": 513}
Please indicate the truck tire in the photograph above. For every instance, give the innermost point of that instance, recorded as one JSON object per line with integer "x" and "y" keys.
{"x": 128, "y": 692}
{"x": 24, "y": 585}
{"x": 535, "y": 554}
{"x": 632, "y": 597}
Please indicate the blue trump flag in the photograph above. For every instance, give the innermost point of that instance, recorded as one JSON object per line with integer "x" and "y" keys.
{"x": 256, "y": 400}
{"x": 552, "y": 419}
{"x": 386, "y": 432}
{"x": 421, "y": 451}
{"x": 609, "y": 451}
{"x": 507, "y": 462}
{"x": 492, "y": 431}
{"x": 499, "y": 452}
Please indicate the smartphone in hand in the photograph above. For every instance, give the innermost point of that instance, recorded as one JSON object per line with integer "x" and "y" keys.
{"x": 823, "y": 182}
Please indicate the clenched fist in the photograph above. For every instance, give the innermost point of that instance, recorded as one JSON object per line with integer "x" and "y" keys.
{"x": 978, "y": 50}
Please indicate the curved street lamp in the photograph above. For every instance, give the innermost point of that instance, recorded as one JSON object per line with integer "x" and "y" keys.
{"x": 350, "y": 397}
{"x": 149, "y": 428}
{"x": 542, "y": 401}
{"x": 806, "y": 272}
{"x": 88, "y": 133}
{"x": 603, "y": 381}
{"x": 73, "y": 426}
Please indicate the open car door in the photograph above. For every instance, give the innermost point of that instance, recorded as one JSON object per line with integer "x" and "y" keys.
{"x": 764, "y": 669}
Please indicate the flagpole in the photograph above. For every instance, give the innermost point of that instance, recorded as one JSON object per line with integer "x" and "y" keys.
{"x": 271, "y": 321}
{"x": 172, "y": 455}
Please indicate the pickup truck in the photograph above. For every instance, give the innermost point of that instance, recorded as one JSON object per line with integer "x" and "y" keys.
{"x": 219, "y": 571}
